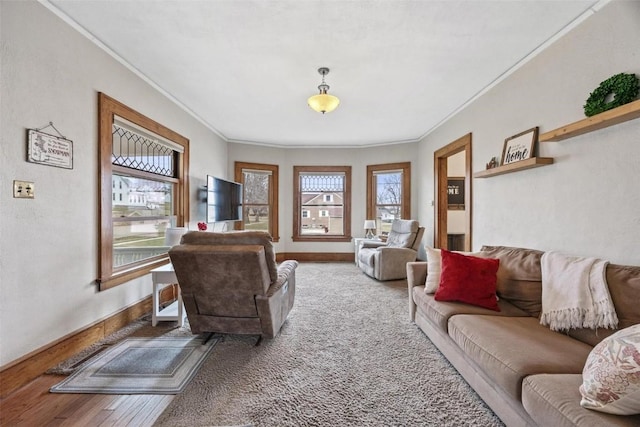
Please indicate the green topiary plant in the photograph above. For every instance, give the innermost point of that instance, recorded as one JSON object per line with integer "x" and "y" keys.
{"x": 624, "y": 88}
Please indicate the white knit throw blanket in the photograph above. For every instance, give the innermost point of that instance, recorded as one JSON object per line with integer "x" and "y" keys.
{"x": 575, "y": 293}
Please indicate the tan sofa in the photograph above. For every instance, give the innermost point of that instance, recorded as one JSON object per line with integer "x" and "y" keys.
{"x": 528, "y": 374}
{"x": 230, "y": 282}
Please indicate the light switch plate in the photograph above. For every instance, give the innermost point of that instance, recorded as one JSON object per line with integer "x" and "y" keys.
{"x": 23, "y": 190}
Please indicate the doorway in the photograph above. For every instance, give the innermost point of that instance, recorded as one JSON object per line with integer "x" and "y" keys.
{"x": 452, "y": 228}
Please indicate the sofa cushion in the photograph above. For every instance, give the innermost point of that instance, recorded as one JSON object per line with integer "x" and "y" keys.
{"x": 510, "y": 348}
{"x": 624, "y": 287}
{"x": 439, "y": 312}
{"x": 611, "y": 376}
{"x": 468, "y": 279}
{"x": 519, "y": 276}
{"x": 434, "y": 268}
{"x": 554, "y": 400}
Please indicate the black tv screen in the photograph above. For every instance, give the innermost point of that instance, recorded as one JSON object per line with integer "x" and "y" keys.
{"x": 224, "y": 200}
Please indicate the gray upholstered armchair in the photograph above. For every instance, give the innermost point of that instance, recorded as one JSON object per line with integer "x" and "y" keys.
{"x": 230, "y": 282}
{"x": 388, "y": 260}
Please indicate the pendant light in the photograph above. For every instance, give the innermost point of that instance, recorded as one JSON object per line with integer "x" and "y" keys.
{"x": 323, "y": 102}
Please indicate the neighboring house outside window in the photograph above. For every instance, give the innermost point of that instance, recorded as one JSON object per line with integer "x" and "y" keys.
{"x": 260, "y": 197}
{"x": 144, "y": 188}
{"x": 388, "y": 194}
{"x": 322, "y": 196}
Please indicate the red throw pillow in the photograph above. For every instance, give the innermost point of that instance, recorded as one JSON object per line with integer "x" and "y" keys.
{"x": 468, "y": 279}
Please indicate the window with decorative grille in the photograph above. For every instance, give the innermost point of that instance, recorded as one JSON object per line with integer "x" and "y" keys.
{"x": 322, "y": 197}
{"x": 144, "y": 191}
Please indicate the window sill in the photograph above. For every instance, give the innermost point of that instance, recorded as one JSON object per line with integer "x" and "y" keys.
{"x": 129, "y": 274}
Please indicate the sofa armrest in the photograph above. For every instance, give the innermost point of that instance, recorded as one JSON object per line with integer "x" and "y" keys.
{"x": 416, "y": 273}
{"x": 416, "y": 276}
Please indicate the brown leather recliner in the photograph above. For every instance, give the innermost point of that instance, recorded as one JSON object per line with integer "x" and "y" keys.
{"x": 230, "y": 282}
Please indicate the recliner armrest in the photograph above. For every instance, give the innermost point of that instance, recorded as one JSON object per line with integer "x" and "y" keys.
{"x": 285, "y": 270}
{"x": 390, "y": 263}
{"x": 370, "y": 244}
{"x": 397, "y": 252}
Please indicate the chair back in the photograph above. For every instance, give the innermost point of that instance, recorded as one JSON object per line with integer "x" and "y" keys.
{"x": 248, "y": 237}
{"x": 220, "y": 274}
{"x": 405, "y": 233}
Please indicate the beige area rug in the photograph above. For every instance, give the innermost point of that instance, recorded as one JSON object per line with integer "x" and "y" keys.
{"x": 139, "y": 328}
{"x": 347, "y": 356}
{"x": 161, "y": 365}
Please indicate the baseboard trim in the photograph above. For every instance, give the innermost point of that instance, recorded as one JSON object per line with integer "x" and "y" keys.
{"x": 316, "y": 256}
{"x": 29, "y": 367}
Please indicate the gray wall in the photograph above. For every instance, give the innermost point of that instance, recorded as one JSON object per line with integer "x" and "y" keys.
{"x": 588, "y": 202}
{"x": 48, "y": 246}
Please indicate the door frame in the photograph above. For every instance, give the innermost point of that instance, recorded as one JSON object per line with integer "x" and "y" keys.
{"x": 440, "y": 177}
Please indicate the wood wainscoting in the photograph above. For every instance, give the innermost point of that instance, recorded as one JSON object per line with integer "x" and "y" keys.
{"x": 29, "y": 367}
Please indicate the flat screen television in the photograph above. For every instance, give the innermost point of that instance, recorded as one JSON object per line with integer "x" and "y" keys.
{"x": 224, "y": 200}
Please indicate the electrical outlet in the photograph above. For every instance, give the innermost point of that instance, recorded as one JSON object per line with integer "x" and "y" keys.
{"x": 23, "y": 190}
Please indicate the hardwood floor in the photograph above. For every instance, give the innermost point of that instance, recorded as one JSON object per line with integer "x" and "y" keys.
{"x": 33, "y": 405}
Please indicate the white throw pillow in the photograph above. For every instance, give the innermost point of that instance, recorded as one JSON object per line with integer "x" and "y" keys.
{"x": 611, "y": 375}
{"x": 434, "y": 267}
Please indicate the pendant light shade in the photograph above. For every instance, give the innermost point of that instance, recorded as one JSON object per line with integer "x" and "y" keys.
{"x": 323, "y": 102}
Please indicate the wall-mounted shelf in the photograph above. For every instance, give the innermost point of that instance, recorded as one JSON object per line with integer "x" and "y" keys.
{"x": 612, "y": 117}
{"x": 533, "y": 162}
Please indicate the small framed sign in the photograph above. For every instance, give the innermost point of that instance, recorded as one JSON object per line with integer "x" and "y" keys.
{"x": 519, "y": 147}
{"x": 455, "y": 193}
{"x": 49, "y": 150}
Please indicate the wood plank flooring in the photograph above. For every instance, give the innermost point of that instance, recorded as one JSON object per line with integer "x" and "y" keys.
{"x": 33, "y": 405}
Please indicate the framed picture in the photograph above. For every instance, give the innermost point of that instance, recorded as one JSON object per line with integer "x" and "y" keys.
{"x": 519, "y": 147}
{"x": 49, "y": 150}
{"x": 455, "y": 193}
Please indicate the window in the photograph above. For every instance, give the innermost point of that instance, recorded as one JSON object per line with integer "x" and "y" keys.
{"x": 144, "y": 190}
{"x": 388, "y": 194}
{"x": 260, "y": 197}
{"x": 324, "y": 192}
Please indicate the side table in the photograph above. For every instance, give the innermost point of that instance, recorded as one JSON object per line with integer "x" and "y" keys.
{"x": 162, "y": 277}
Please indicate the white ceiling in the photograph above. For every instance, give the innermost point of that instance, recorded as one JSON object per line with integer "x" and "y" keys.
{"x": 246, "y": 68}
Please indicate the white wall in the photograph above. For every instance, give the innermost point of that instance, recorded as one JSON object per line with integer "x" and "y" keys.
{"x": 357, "y": 158}
{"x": 588, "y": 202}
{"x": 49, "y": 245}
